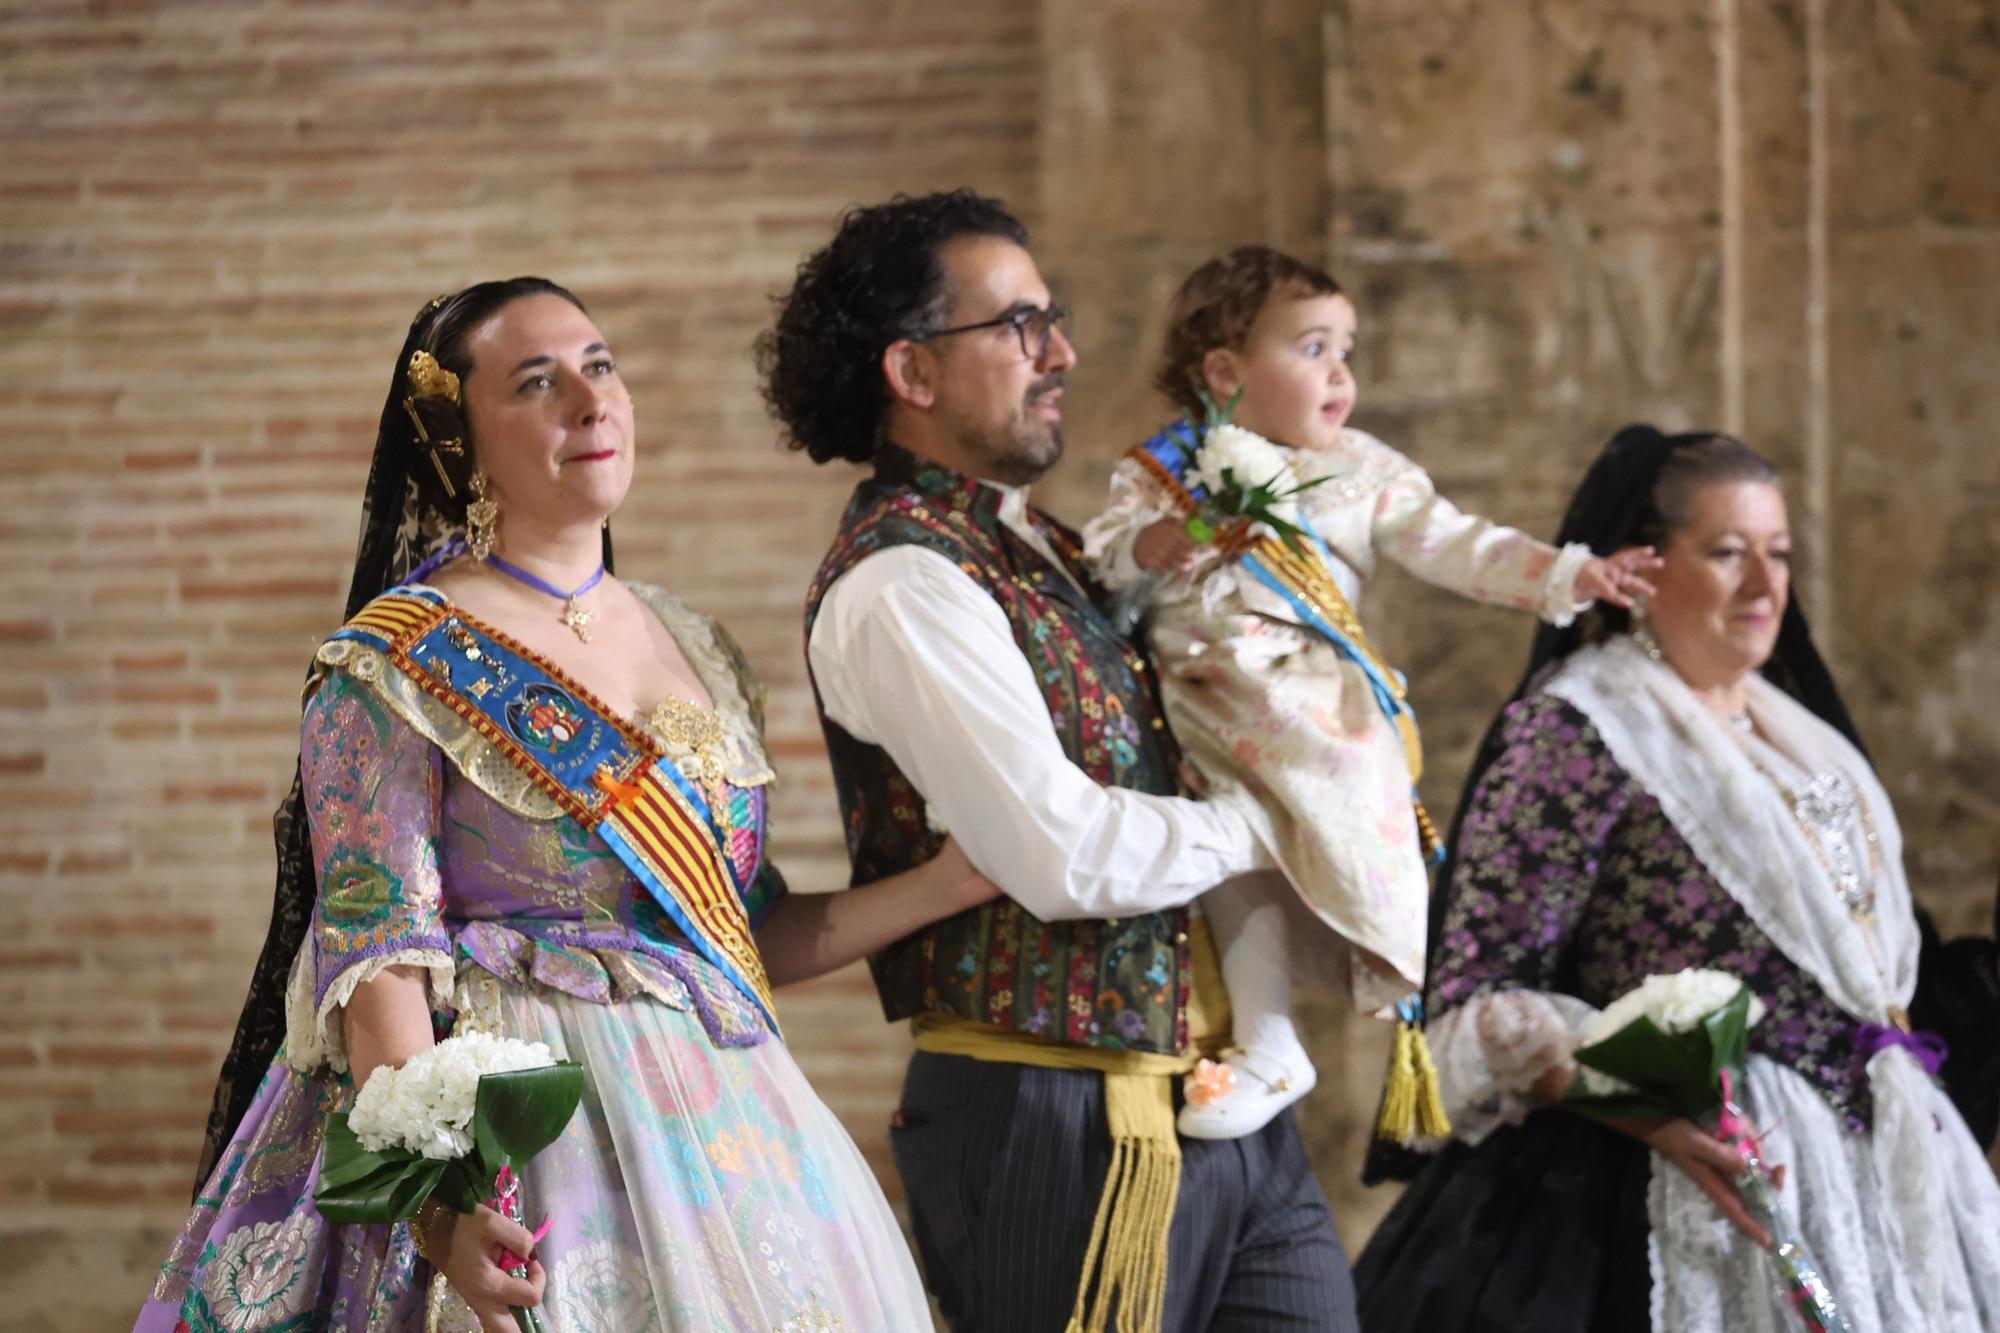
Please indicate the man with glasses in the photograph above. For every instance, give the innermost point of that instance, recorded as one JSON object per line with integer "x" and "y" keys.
{"x": 969, "y": 683}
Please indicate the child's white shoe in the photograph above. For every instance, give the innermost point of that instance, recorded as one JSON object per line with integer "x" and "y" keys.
{"x": 1243, "y": 1093}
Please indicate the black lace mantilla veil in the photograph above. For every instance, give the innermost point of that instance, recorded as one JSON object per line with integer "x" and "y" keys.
{"x": 1609, "y": 512}
{"x": 414, "y": 505}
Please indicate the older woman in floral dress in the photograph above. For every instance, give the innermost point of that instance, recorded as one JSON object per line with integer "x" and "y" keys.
{"x": 1682, "y": 788}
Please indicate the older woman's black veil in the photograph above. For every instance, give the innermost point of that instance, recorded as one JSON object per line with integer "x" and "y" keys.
{"x": 1613, "y": 509}
{"x": 413, "y": 507}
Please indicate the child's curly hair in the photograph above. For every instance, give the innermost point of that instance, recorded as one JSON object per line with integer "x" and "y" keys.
{"x": 1216, "y": 306}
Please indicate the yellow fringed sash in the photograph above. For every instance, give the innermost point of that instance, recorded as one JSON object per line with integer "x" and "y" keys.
{"x": 1126, "y": 1260}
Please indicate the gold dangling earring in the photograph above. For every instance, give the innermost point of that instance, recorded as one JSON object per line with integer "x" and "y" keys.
{"x": 482, "y": 519}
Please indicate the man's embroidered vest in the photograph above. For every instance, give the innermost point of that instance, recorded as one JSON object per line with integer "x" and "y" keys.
{"x": 1120, "y": 984}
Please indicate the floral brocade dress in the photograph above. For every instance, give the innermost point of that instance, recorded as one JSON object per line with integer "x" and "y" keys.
{"x": 701, "y": 1185}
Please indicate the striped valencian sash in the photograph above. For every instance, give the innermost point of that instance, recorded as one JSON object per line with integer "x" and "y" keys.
{"x": 1304, "y": 578}
{"x": 605, "y": 773}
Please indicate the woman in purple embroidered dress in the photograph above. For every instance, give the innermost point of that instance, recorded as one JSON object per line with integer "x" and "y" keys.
{"x": 1681, "y": 788}
{"x": 425, "y": 879}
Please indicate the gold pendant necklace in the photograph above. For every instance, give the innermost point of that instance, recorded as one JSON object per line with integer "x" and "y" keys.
{"x": 577, "y": 619}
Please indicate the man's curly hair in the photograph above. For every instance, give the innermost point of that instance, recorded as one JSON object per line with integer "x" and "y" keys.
{"x": 879, "y": 279}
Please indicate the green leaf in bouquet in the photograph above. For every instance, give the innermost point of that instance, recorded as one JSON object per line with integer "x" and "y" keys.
{"x": 460, "y": 1188}
{"x": 1213, "y": 416}
{"x": 1669, "y": 1073}
{"x": 1201, "y": 530}
{"x": 516, "y": 1115}
{"x": 1291, "y": 534}
{"x": 1623, "y": 1105}
{"x": 1728, "y": 1031}
{"x": 357, "y": 1184}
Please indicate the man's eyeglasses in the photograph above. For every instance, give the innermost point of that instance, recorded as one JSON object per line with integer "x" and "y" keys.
{"x": 1033, "y": 329}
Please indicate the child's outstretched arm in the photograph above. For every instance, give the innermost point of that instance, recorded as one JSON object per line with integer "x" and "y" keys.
{"x": 1490, "y": 562}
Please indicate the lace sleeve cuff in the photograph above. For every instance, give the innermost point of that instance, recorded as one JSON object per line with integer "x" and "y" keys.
{"x": 1559, "y": 605}
{"x": 314, "y": 1034}
{"x": 1491, "y": 1050}
{"x": 1108, "y": 539}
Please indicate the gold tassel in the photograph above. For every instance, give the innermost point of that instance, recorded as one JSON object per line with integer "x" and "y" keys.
{"x": 1432, "y": 1122}
{"x": 1412, "y": 1102}
{"x": 1127, "y": 1255}
{"x": 1399, "y": 1095}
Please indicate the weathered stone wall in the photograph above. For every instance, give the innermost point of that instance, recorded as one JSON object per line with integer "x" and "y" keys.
{"x": 1778, "y": 219}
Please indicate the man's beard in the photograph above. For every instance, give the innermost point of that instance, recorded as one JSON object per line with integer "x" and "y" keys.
{"x": 1018, "y": 451}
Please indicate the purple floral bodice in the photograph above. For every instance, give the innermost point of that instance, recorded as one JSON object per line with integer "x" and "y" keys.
{"x": 414, "y": 857}
{"x": 1571, "y": 879}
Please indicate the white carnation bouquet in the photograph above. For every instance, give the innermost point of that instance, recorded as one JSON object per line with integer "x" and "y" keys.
{"x": 1677, "y": 1045}
{"x": 1246, "y": 474}
{"x": 1242, "y": 487}
{"x": 1676, "y": 1003}
{"x": 426, "y": 1105}
{"x": 450, "y": 1123}
{"x": 1247, "y": 484}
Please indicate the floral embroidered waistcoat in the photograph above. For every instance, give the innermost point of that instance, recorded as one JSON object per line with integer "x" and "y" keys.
{"x": 1119, "y": 984}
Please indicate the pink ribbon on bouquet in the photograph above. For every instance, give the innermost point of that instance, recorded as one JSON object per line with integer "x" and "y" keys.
{"x": 507, "y": 1203}
{"x": 1730, "y": 1124}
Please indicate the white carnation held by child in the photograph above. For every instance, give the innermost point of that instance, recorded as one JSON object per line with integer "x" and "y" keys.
{"x": 1268, "y": 707}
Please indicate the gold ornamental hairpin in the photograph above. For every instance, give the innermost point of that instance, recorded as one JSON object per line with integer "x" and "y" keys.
{"x": 430, "y": 379}
{"x": 430, "y": 308}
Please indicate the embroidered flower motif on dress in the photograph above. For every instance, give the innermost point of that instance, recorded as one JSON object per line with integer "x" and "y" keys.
{"x": 258, "y": 1279}
{"x": 603, "y": 1288}
{"x": 815, "y": 1318}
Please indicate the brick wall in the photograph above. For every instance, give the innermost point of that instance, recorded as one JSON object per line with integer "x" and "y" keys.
{"x": 217, "y": 220}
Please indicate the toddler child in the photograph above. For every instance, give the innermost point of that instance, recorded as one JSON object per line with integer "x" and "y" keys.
{"x": 1267, "y": 676}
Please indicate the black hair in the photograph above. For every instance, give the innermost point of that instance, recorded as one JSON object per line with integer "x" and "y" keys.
{"x": 881, "y": 278}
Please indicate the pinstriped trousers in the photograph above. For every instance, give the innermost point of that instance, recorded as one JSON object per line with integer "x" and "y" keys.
{"x": 1004, "y": 1164}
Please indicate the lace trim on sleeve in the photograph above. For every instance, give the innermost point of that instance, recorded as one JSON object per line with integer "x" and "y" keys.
{"x": 1491, "y": 1049}
{"x": 314, "y": 1035}
{"x": 1136, "y": 503}
{"x": 1559, "y": 605}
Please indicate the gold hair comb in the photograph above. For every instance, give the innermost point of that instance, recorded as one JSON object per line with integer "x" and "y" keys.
{"x": 430, "y": 379}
